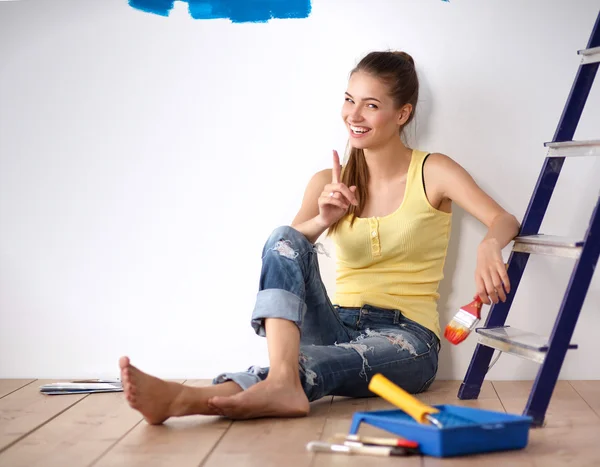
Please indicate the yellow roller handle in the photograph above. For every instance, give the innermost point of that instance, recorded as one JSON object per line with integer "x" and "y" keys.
{"x": 383, "y": 387}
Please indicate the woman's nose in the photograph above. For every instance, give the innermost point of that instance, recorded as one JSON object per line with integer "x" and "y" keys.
{"x": 356, "y": 115}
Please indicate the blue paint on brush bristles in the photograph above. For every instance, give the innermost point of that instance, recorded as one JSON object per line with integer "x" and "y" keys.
{"x": 238, "y": 11}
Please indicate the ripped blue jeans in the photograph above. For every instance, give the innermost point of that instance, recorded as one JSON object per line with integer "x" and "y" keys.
{"x": 340, "y": 348}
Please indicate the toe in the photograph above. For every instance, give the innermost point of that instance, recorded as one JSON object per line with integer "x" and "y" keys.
{"x": 124, "y": 362}
{"x": 223, "y": 402}
{"x": 215, "y": 409}
{"x": 215, "y": 401}
{"x": 128, "y": 380}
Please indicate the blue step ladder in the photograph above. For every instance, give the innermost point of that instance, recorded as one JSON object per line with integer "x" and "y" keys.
{"x": 494, "y": 335}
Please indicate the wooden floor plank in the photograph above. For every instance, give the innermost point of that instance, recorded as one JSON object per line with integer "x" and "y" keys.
{"x": 8, "y": 386}
{"x": 184, "y": 441}
{"x": 589, "y": 391}
{"x": 271, "y": 442}
{"x": 575, "y": 446}
{"x": 27, "y": 409}
{"x": 344, "y": 407}
{"x": 77, "y": 436}
{"x": 571, "y": 433}
{"x": 515, "y": 458}
{"x": 566, "y": 408}
{"x": 181, "y": 442}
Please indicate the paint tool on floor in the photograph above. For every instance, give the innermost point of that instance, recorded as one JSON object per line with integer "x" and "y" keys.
{"x": 358, "y": 448}
{"x": 88, "y": 386}
{"x": 375, "y": 441}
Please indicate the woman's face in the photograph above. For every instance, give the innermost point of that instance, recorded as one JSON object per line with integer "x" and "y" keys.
{"x": 369, "y": 112}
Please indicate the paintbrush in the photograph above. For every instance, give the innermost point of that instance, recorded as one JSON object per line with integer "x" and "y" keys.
{"x": 464, "y": 322}
{"x": 357, "y": 448}
{"x": 377, "y": 441}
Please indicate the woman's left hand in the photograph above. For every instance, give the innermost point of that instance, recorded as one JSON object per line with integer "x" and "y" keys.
{"x": 491, "y": 278}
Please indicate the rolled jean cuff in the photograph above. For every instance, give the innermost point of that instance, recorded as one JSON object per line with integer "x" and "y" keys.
{"x": 242, "y": 379}
{"x": 276, "y": 303}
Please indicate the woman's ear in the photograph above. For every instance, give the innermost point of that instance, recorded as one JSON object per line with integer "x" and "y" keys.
{"x": 404, "y": 113}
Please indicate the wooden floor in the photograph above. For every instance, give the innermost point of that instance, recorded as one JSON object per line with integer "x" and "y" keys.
{"x": 101, "y": 430}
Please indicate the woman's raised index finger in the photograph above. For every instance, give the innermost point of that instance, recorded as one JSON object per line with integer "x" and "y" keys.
{"x": 337, "y": 168}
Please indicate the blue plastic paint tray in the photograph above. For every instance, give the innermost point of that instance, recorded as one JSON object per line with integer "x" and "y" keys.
{"x": 465, "y": 431}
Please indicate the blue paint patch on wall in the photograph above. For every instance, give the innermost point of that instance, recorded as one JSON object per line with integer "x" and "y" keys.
{"x": 238, "y": 11}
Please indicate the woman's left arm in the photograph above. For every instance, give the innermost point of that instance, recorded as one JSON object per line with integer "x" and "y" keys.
{"x": 456, "y": 184}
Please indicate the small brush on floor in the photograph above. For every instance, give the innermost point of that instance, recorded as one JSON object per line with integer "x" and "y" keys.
{"x": 358, "y": 448}
{"x": 464, "y": 322}
{"x": 375, "y": 441}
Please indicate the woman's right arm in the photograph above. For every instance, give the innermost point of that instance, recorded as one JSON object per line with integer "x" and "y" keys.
{"x": 307, "y": 221}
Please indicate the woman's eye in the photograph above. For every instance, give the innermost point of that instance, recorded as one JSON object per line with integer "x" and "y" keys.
{"x": 373, "y": 106}
{"x": 347, "y": 99}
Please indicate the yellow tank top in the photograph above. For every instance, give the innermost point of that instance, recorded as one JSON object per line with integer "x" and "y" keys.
{"x": 396, "y": 261}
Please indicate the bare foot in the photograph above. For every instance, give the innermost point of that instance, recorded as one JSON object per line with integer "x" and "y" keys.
{"x": 153, "y": 397}
{"x": 265, "y": 399}
{"x": 158, "y": 400}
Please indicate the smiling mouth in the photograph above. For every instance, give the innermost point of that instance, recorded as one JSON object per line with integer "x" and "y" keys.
{"x": 359, "y": 130}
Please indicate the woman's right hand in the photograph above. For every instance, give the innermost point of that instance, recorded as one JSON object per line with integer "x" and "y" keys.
{"x": 336, "y": 197}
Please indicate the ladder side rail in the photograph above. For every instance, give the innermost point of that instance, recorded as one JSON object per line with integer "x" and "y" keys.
{"x": 565, "y": 323}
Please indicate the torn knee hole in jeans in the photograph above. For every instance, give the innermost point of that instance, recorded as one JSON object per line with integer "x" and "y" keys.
{"x": 360, "y": 349}
{"x": 309, "y": 374}
{"x": 394, "y": 339}
{"x": 284, "y": 248}
{"x": 320, "y": 249}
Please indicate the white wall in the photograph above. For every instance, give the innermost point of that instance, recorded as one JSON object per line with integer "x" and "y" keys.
{"x": 144, "y": 161}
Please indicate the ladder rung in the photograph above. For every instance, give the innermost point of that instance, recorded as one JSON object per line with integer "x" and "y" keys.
{"x": 589, "y": 55}
{"x": 548, "y": 245}
{"x": 573, "y": 148}
{"x": 524, "y": 344}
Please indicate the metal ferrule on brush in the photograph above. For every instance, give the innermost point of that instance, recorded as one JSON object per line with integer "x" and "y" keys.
{"x": 466, "y": 319}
